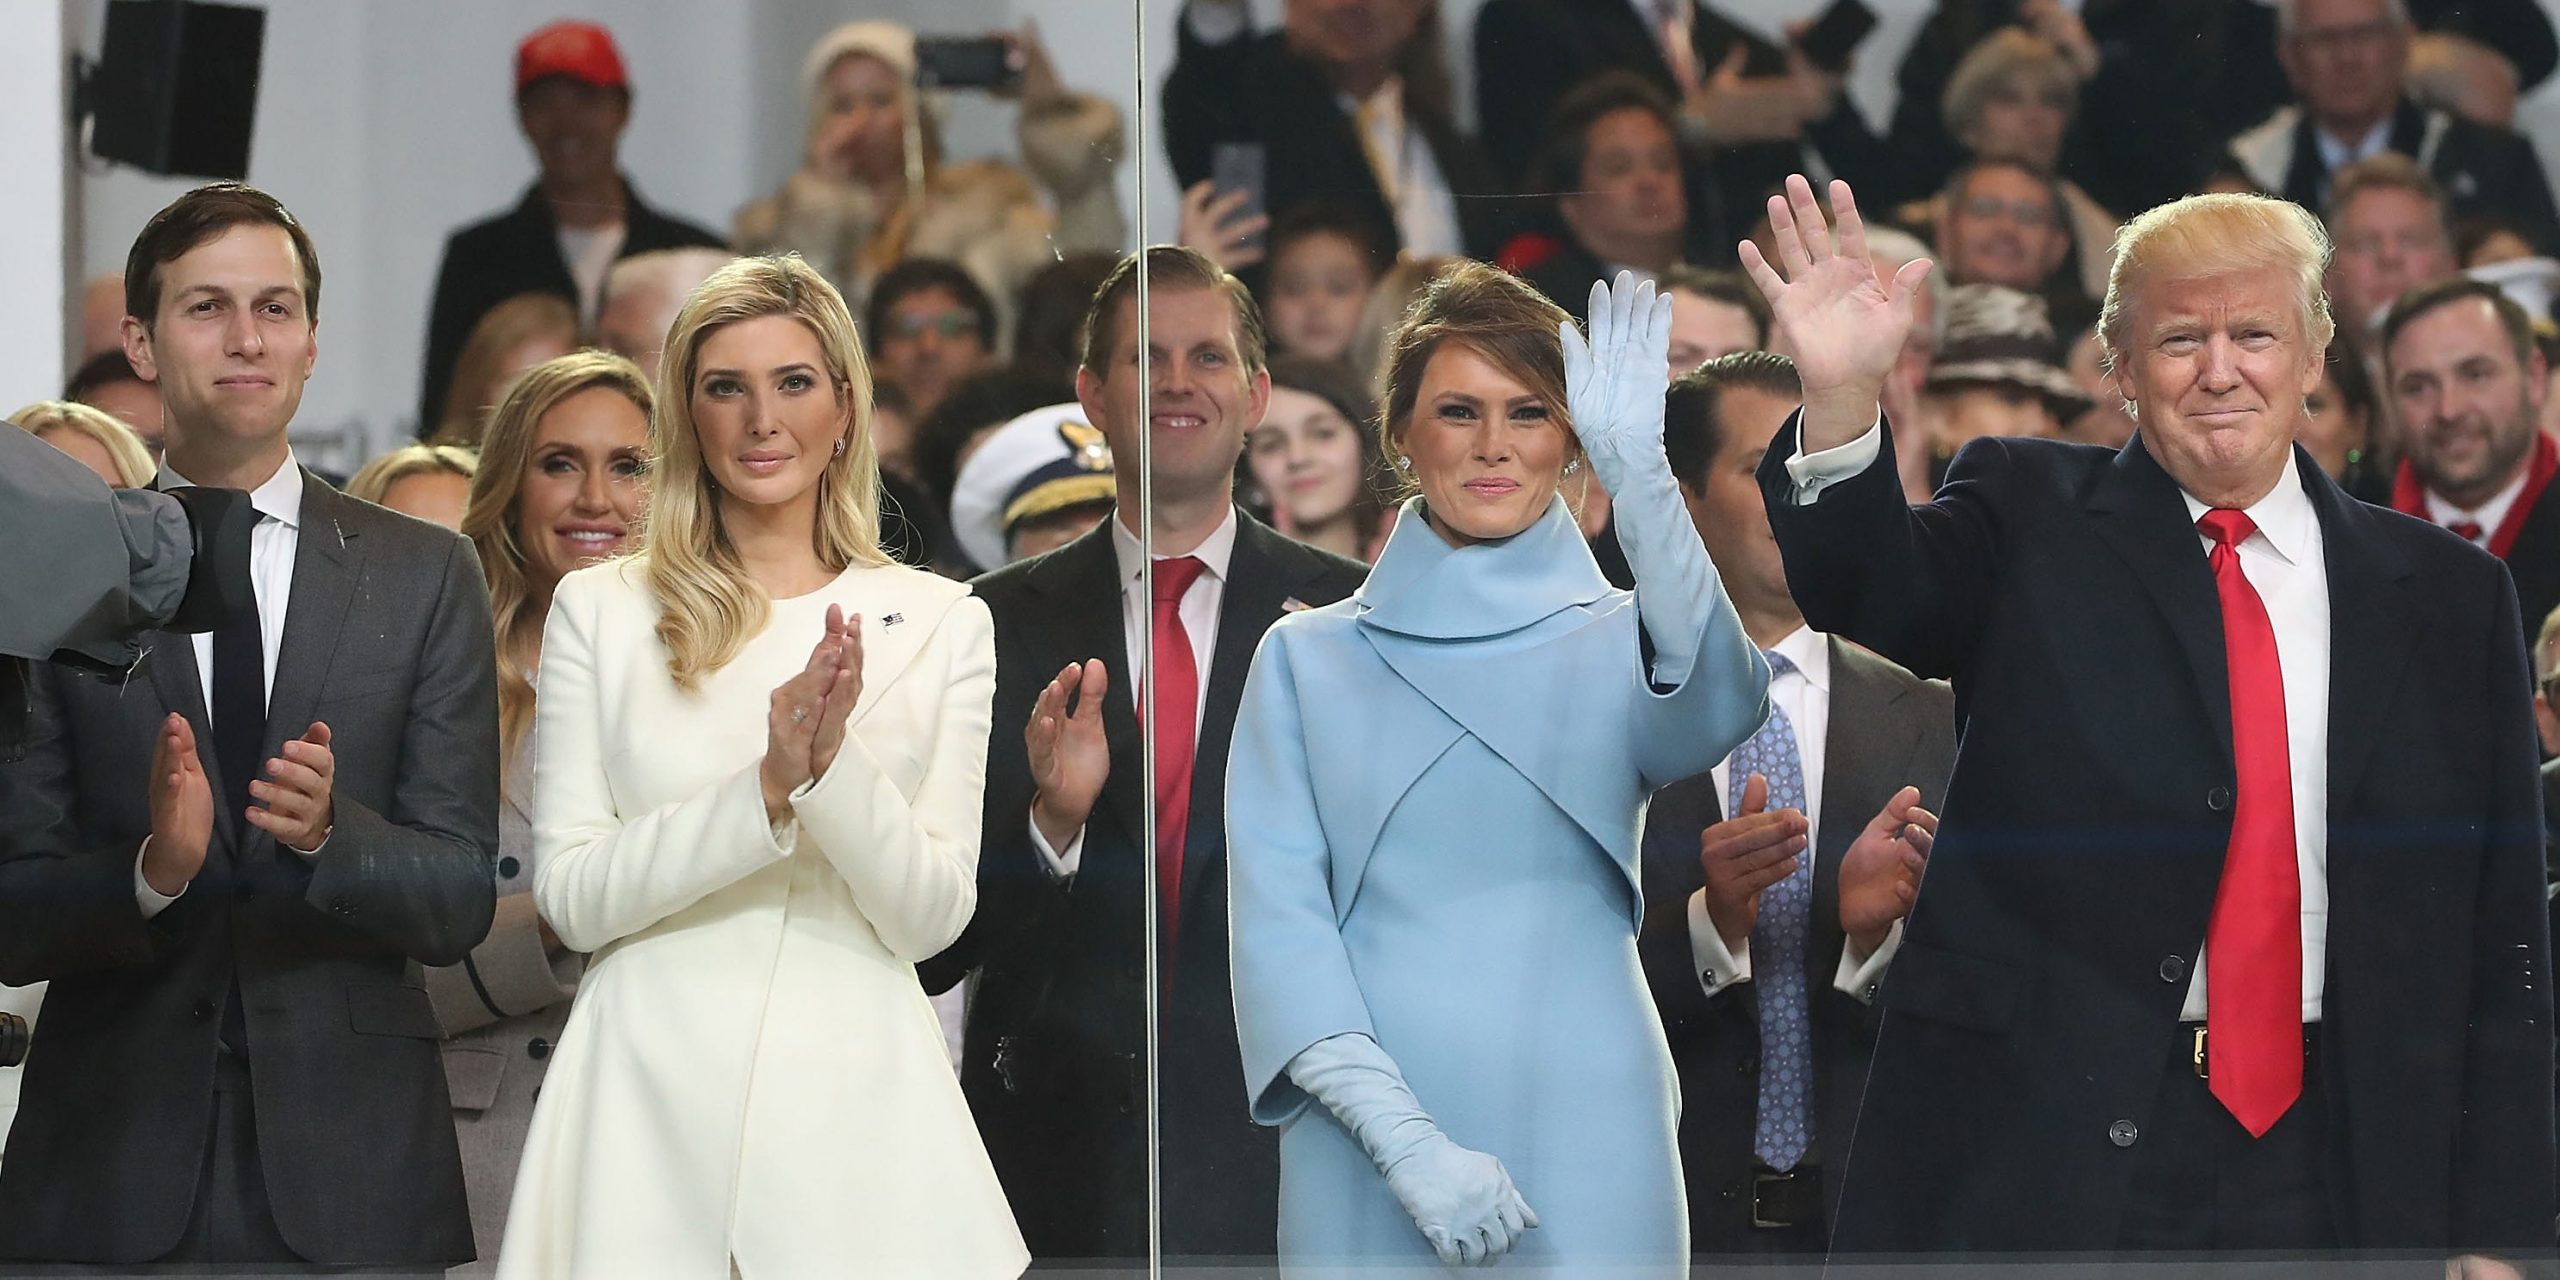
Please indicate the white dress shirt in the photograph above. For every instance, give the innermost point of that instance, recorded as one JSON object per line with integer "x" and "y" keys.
{"x": 2488, "y": 515}
{"x": 2336, "y": 154}
{"x": 1199, "y": 611}
{"x": 2284, "y": 562}
{"x": 1804, "y": 696}
{"x": 273, "y": 542}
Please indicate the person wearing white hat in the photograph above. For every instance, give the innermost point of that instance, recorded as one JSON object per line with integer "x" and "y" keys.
{"x": 1037, "y": 484}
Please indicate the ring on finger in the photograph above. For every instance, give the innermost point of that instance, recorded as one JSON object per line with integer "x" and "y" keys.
{"x": 799, "y": 714}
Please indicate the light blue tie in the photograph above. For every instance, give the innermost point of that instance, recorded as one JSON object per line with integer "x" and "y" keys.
{"x": 1785, "y": 1127}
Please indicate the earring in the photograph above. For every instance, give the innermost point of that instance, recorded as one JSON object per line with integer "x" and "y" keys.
{"x": 839, "y": 446}
{"x": 1403, "y": 463}
{"x": 1573, "y": 466}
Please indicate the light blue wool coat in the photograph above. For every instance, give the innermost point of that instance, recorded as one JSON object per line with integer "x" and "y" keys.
{"x": 1433, "y": 807}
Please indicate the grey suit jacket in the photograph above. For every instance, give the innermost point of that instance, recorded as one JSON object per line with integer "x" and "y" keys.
{"x": 387, "y": 639}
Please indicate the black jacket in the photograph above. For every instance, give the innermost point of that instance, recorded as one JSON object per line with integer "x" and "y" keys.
{"x": 518, "y": 251}
{"x": 2483, "y": 169}
{"x": 1055, "y": 1058}
{"x": 2031, "y": 1010}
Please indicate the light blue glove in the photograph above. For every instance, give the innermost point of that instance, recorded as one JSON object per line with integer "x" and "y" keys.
{"x": 1614, "y": 387}
{"x": 1462, "y": 1200}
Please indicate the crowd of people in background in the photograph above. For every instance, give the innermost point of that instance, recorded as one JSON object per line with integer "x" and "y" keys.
{"x": 1333, "y": 204}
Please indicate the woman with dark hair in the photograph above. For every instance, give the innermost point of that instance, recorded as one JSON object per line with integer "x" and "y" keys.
{"x": 1315, "y": 461}
{"x": 1433, "y": 936}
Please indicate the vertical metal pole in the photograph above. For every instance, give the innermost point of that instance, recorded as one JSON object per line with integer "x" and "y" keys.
{"x": 1147, "y": 718}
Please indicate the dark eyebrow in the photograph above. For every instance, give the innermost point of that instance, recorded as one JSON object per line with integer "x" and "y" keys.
{"x": 1459, "y": 396}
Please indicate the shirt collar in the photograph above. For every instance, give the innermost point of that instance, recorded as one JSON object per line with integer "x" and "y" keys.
{"x": 2338, "y": 154}
{"x": 1216, "y": 551}
{"x": 2284, "y": 517}
{"x": 1810, "y": 650}
{"x": 279, "y": 498}
{"x": 1383, "y": 109}
{"x": 2489, "y": 515}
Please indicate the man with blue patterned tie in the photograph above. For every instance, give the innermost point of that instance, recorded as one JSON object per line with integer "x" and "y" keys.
{"x": 1765, "y": 924}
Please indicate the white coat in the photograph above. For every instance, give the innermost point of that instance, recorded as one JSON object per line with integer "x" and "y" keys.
{"x": 751, "y": 1075}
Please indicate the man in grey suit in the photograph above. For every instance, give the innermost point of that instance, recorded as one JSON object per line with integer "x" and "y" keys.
{"x": 1762, "y": 958}
{"x": 231, "y": 865}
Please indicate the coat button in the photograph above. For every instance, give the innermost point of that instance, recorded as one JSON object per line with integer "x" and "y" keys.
{"x": 508, "y": 867}
{"x": 2218, "y": 799}
{"x": 2173, "y": 968}
{"x": 203, "y": 1012}
{"x": 537, "y": 1048}
{"x": 1707, "y": 978}
{"x": 2123, "y": 1133}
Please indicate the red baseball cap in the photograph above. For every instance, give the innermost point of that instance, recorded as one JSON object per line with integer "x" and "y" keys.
{"x": 581, "y": 51}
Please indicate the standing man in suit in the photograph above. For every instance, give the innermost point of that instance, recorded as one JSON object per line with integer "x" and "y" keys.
{"x": 2234, "y": 936}
{"x": 1055, "y": 1055}
{"x": 232, "y": 867}
{"x": 579, "y": 218}
{"x": 2466, "y": 380}
{"x": 1773, "y": 884}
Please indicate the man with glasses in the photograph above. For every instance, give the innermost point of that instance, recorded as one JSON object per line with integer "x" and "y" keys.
{"x": 2347, "y": 60}
{"x": 2388, "y": 222}
{"x": 928, "y": 326}
{"x": 2003, "y": 223}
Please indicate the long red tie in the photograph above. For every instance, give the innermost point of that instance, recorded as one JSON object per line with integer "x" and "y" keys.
{"x": 1177, "y": 677}
{"x": 2253, "y": 982}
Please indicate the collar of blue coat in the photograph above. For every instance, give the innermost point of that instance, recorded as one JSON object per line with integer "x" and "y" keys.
{"x": 1425, "y": 588}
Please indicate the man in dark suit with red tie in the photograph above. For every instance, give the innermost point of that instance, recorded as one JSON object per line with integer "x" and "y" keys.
{"x": 2233, "y": 937}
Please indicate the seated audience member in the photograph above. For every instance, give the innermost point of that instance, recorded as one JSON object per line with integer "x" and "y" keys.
{"x": 509, "y": 338}
{"x": 2486, "y": 240}
{"x": 927, "y": 326}
{"x": 2000, "y": 222}
{"x": 642, "y": 294}
{"x": 1324, "y": 261}
{"x": 2467, "y": 384}
{"x": 2387, "y": 227}
{"x": 1388, "y": 300}
{"x": 1999, "y": 371}
{"x": 2337, "y": 426}
{"x": 2456, "y": 74}
{"x": 1611, "y": 161}
{"x": 1315, "y": 459}
{"x": 1048, "y": 321}
{"x": 2104, "y": 422}
{"x": 102, "y": 315}
{"x": 93, "y": 436}
{"x": 428, "y": 481}
{"x": 860, "y": 203}
{"x": 1349, "y": 102}
{"x": 2346, "y": 61}
{"x": 107, "y": 381}
{"x": 1713, "y": 313}
{"x": 2013, "y": 98}
{"x": 1038, "y": 483}
{"x": 562, "y": 483}
{"x": 1905, "y": 398}
{"x": 581, "y": 214}
{"x": 957, "y": 427}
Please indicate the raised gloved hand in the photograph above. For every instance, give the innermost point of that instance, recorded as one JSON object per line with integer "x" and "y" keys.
{"x": 1614, "y": 381}
{"x": 1462, "y": 1200}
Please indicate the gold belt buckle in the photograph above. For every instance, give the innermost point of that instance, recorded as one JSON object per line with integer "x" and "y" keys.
{"x": 2199, "y": 1052}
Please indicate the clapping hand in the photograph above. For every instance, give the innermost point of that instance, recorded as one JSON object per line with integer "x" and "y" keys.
{"x": 1615, "y": 381}
{"x": 799, "y": 713}
{"x": 1844, "y": 324}
{"x": 181, "y": 810}
{"x": 1880, "y": 873}
{"x": 293, "y": 799}
{"x": 1745, "y": 854}
{"x": 1462, "y": 1200}
{"x": 1070, "y": 758}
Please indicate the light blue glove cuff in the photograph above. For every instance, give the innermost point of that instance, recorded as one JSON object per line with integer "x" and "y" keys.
{"x": 1355, "y": 1080}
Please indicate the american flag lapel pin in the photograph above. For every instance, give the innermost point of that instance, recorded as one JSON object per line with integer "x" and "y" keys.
{"x": 893, "y": 619}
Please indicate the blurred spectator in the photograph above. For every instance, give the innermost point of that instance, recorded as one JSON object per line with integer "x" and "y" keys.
{"x": 429, "y": 481}
{"x": 1038, "y": 483}
{"x": 872, "y": 187}
{"x": 1904, "y": 403}
{"x": 508, "y": 339}
{"x": 975, "y": 407}
{"x": 2347, "y": 61}
{"x": 2105, "y": 422}
{"x": 2339, "y": 422}
{"x": 642, "y": 294}
{"x": 94, "y": 437}
{"x": 107, "y": 381}
{"x": 1612, "y": 160}
{"x": 1316, "y": 458}
{"x": 1048, "y": 323}
{"x": 581, "y": 214}
{"x": 2453, "y": 73}
{"x": 2229, "y": 179}
{"x": 1388, "y": 301}
{"x": 2012, "y": 98}
{"x": 2546, "y": 718}
{"x": 1713, "y": 313}
{"x": 101, "y": 315}
{"x": 2387, "y": 228}
{"x": 1349, "y": 100}
{"x": 2479, "y": 242}
{"x": 2000, "y": 222}
{"x": 1324, "y": 262}
{"x": 928, "y": 325}
{"x": 1999, "y": 371}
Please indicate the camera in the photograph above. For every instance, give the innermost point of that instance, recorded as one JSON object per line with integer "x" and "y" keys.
{"x": 14, "y": 1039}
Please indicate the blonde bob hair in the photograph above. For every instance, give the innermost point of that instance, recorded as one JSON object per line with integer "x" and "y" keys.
{"x": 516, "y": 603}
{"x": 133, "y": 462}
{"x": 480, "y": 371}
{"x": 2211, "y": 235}
{"x": 708, "y": 604}
{"x": 373, "y": 482}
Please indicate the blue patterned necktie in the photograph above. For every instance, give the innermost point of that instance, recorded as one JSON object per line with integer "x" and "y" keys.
{"x": 1785, "y": 1127}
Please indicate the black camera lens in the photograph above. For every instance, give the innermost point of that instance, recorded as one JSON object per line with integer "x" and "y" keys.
{"x": 13, "y": 1039}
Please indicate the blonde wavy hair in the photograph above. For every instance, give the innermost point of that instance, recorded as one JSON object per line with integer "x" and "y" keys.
{"x": 479, "y": 372}
{"x": 133, "y": 462}
{"x": 489, "y": 518}
{"x": 374, "y": 480}
{"x": 2209, "y": 235}
{"x": 708, "y": 604}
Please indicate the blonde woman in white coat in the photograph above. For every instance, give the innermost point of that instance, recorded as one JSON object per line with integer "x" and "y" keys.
{"x": 759, "y": 749}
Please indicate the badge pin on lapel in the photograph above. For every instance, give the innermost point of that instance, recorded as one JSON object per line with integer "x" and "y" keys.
{"x": 893, "y": 619}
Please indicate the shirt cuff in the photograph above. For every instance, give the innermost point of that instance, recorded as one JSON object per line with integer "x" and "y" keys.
{"x": 1718, "y": 965}
{"x": 1217, "y": 21}
{"x": 1061, "y": 865}
{"x": 1859, "y": 975}
{"x": 1814, "y": 472}
{"x": 151, "y": 900}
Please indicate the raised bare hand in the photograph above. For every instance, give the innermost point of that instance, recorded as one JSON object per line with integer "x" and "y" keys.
{"x": 1745, "y": 854}
{"x": 842, "y": 693}
{"x": 1844, "y": 325}
{"x": 1880, "y": 873}
{"x": 1070, "y": 756}
{"x": 181, "y": 810}
{"x": 1210, "y": 226}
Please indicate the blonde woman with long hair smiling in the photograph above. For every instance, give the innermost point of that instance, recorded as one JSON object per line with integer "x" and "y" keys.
{"x": 760, "y": 751}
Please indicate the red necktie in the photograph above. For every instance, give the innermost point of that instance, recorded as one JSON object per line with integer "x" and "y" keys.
{"x": 2467, "y": 530}
{"x": 1177, "y": 677}
{"x": 2253, "y": 983}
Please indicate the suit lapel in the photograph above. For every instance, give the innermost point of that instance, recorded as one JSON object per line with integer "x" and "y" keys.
{"x": 1260, "y": 577}
{"x": 327, "y": 561}
{"x": 2372, "y": 628}
{"x": 1083, "y": 580}
{"x": 2143, "y": 518}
